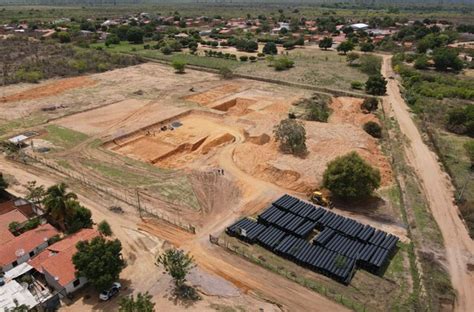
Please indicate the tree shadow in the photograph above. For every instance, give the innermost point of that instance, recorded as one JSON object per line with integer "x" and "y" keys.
{"x": 186, "y": 296}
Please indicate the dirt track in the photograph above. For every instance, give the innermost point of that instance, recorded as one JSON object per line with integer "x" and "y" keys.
{"x": 439, "y": 192}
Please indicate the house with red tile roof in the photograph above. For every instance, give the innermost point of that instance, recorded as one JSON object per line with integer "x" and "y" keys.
{"x": 5, "y": 220}
{"x": 25, "y": 246}
{"x": 55, "y": 263}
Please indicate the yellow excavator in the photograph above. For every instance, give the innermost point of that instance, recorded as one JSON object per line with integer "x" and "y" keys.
{"x": 318, "y": 198}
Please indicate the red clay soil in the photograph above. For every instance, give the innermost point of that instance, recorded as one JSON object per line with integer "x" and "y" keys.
{"x": 49, "y": 89}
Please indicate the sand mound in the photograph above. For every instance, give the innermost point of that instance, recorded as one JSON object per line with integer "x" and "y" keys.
{"x": 49, "y": 89}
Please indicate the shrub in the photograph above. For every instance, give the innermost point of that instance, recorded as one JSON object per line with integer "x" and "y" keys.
{"x": 270, "y": 48}
{"x": 243, "y": 58}
{"x": 64, "y": 37}
{"x": 325, "y": 43}
{"x": 253, "y": 58}
{"x": 179, "y": 65}
{"x": 351, "y": 177}
{"x": 373, "y": 129}
{"x": 367, "y": 47}
{"x": 461, "y": 120}
{"x": 469, "y": 147}
{"x": 104, "y": 228}
{"x": 370, "y": 64}
{"x": 376, "y": 85}
{"x": 281, "y": 63}
{"x": 112, "y": 39}
{"x": 226, "y": 73}
{"x": 345, "y": 46}
{"x": 421, "y": 62}
{"x": 166, "y": 50}
{"x": 33, "y": 76}
{"x": 370, "y": 104}
{"x": 135, "y": 35}
{"x": 445, "y": 58}
{"x": 357, "y": 85}
{"x": 292, "y": 136}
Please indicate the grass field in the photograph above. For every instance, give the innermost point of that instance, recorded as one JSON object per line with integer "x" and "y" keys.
{"x": 63, "y": 137}
{"x": 312, "y": 66}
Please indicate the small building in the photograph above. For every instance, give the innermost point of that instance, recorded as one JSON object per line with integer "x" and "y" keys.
{"x": 55, "y": 263}
{"x": 12, "y": 293}
{"x": 25, "y": 246}
{"x": 359, "y": 26}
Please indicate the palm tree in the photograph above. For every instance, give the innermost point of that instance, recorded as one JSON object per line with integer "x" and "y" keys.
{"x": 58, "y": 203}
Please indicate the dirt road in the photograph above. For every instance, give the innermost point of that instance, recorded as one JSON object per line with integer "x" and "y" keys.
{"x": 439, "y": 192}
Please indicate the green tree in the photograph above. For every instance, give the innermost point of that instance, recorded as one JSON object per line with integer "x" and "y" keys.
{"x": 122, "y": 31}
{"x": 177, "y": 263}
{"x": 445, "y": 58}
{"x": 79, "y": 218}
{"x": 64, "y": 37}
{"x": 135, "y": 35}
{"x": 325, "y": 43}
{"x": 58, "y": 202}
{"x": 142, "y": 303}
{"x": 18, "y": 307}
{"x": 100, "y": 261}
{"x": 104, "y": 228}
{"x": 421, "y": 62}
{"x": 370, "y": 104}
{"x": 350, "y": 177}
{"x": 345, "y": 46}
{"x": 112, "y": 39}
{"x": 270, "y": 48}
{"x": 179, "y": 65}
{"x": 376, "y": 85}
{"x": 292, "y": 136}
{"x": 373, "y": 129}
{"x": 367, "y": 47}
{"x": 281, "y": 63}
{"x": 35, "y": 193}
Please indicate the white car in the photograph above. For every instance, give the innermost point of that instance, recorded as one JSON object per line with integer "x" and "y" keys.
{"x": 107, "y": 294}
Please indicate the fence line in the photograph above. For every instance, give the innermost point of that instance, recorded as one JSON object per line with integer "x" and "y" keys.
{"x": 124, "y": 195}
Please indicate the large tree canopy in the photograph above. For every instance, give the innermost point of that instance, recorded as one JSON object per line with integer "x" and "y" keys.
{"x": 350, "y": 177}
{"x": 100, "y": 261}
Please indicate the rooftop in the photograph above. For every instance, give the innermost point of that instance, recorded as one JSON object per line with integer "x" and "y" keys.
{"x": 57, "y": 258}
{"x": 25, "y": 243}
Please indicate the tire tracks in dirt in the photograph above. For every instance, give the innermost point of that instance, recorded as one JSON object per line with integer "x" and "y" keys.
{"x": 439, "y": 193}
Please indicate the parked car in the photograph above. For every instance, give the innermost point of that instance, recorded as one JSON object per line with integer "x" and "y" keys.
{"x": 107, "y": 294}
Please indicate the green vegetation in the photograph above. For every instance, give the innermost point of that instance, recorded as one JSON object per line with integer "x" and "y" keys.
{"x": 100, "y": 261}
{"x": 351, "y": 177}
{"x": 64, "y": 137}
{"x": 47, "y": 59}
{"x": 281, "y": 63}
{"x": 370, "y": 104}
{"x": 142, "y": 303}
{"x": 104, "y": 228}
{"x": 315, "y": 108}
{"x": 443, "y": 102}
{"x": 3, "y": 182}
{"x": 179, "y": 65}
{"x": 178, "y": 264}
{"x": 292, "y": 136}
{"x": 373, "y": 129}
{"x": 376, "y": 85}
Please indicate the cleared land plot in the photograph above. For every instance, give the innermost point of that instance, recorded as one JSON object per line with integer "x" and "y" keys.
{"x": 312, "y": 66}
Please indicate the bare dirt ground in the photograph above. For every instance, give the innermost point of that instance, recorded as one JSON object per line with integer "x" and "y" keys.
{"x": 439, "y": 192}
{"x": 49, "y": 89}
{"x": 238, "y": 140}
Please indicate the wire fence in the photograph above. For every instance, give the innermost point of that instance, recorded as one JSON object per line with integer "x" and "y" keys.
{"x": 129, "y": 196}
{"x": 308, "y": 283}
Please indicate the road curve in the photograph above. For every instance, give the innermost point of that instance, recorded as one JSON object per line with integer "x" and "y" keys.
{"x": 439, "y": 193}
